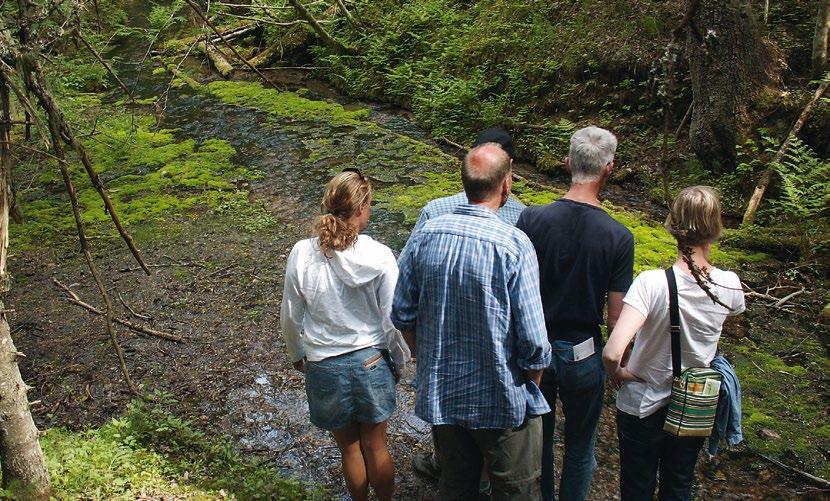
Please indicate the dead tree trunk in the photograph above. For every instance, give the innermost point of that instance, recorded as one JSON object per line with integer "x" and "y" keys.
{"x": 23, "y": 465}
{"x": 820, "y": 40}
{"x": 727, "y": 61}
{"x": 766, "y": 177}
{"x": 219, "y": 61}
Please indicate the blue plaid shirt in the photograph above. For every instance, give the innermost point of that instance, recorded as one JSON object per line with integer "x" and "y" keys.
{"x": 509, "y": 213}
{"x": 469, "y": 287}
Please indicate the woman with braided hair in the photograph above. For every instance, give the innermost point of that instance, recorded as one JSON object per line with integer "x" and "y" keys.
{"x": 706, "y": 296}
{"x": 335, "y": 322}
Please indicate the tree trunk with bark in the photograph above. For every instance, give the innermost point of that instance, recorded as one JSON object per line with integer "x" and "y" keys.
{"x": 820, "y": 40}
{"x": 23, "y": 464}
{"x": 727, "y": 62}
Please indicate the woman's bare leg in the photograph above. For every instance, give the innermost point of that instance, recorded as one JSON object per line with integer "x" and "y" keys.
{"x": 354, "y": 468}
{"x": 379, "y": 464}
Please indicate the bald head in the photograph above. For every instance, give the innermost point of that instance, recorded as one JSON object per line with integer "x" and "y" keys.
{"x": 484, "y": 170}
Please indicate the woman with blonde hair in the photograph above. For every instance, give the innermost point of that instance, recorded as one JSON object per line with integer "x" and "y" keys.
{"x": 335, "y": 322}
{"x": 706, "y": 296}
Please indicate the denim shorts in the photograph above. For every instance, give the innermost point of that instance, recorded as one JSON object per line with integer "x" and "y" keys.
{"x": 353, "y": 387}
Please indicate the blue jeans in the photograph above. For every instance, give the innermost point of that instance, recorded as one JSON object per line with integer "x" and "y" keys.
{"x": 581, "y": 387}
{"x": 645, "y": 447}
{"x": 352, "y": 387}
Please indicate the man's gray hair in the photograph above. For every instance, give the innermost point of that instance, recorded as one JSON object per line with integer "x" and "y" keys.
{"x": 591, "y": 150}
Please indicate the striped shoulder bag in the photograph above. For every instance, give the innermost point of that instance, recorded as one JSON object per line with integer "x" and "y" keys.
{"x": 694, "y": 391}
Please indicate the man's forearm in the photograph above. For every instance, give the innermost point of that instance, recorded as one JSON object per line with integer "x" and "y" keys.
{"x": 535, "y": 375}
{"x": 409, "y": 337}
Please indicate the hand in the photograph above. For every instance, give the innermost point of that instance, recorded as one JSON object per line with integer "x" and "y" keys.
{"x": 622, "y": 375}
{"x": 299, "y": 365}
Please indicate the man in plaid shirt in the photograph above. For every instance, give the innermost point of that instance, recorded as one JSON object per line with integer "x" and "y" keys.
{"x": 468, "y": 302}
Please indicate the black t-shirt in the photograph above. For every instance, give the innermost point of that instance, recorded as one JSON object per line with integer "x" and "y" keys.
{"x": 583, "y": 254}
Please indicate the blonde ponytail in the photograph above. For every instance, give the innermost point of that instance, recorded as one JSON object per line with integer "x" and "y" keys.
{"x": 345, "y": 194}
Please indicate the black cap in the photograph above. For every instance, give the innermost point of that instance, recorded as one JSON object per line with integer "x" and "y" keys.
{"x": 496, "y": 135}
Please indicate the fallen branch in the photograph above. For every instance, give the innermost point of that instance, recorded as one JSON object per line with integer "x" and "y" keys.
{"x": 132, "y": 312}
{"x": 76, "y": 300}
{"x": 786, "y": 298}
{"x": 207, "y": 22}
{"x": 215, "y": 56}
{"x": 776, "y": 301}
{"x": 812, "y": 478}
{"x": 238, "y": 32}
{"x": 766, "y": 177}
{"x": 318, "y": 28}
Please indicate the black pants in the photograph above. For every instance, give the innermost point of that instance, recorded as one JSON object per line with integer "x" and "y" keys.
{"x": 645, "y": 447}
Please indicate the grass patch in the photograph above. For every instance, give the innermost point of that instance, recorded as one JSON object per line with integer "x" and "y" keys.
{"x": 150, "y": 452}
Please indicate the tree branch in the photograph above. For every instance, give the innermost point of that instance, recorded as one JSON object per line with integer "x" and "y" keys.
{"x": 74, "y": 299}
{"x": 318, "y": 28}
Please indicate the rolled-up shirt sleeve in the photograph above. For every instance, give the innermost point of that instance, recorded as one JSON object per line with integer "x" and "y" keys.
{"x": 405, "y": 301}
{"x": 533, "y": 348}
{"x": 292, "y": 309}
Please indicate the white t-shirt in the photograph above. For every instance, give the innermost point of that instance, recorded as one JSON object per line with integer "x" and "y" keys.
{"x": 701, "y": 321}
{"x": 335, "y": 305}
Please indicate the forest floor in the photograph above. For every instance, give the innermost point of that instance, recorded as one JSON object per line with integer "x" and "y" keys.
{"x": 217, "y": 281}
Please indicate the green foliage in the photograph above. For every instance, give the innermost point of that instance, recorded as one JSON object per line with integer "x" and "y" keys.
{"x": 252, "y": 218}
{"x": 151, "y": 452}
{"x": 462, "y": 66}
{"x": 786, "y": 397}
{"x": 805, "y": 183}
{"x": 654, "y": 247}
{"x": 164, "y": 18}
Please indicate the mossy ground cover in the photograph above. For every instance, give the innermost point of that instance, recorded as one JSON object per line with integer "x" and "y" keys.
{"x": 654, "y": 246}
{"x": 783, "y": 372}
{"x": 150, "y": 453}
{"x": 151, "y": 176}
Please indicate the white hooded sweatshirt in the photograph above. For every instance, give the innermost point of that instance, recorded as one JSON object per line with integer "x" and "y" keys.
{"x": 332, "y": 306}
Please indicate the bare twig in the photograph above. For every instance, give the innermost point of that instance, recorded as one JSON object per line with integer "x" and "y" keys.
{"x": 786, "y": 298}
{"x": 685, "y": 119}
{"x": 34, "y": 80}
{"x": 132, "y": 312}
{"x": 73, "y": 197}
{"x": 74, "y": 299}
{"x": 803, "y": 474}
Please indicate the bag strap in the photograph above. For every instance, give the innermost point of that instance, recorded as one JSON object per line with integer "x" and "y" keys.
{"x": 674, "y": 319}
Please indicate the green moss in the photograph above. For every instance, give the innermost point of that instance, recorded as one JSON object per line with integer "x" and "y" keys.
{"x": 284, "y": 104}
{"x": 785, "y": 398}
{"x": 653, "y": 245}
{"x": 150, "y": 176}
{"x": 408, "y": 200}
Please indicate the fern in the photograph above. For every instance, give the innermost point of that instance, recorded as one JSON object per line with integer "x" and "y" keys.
{"x": 805, "y": 184}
